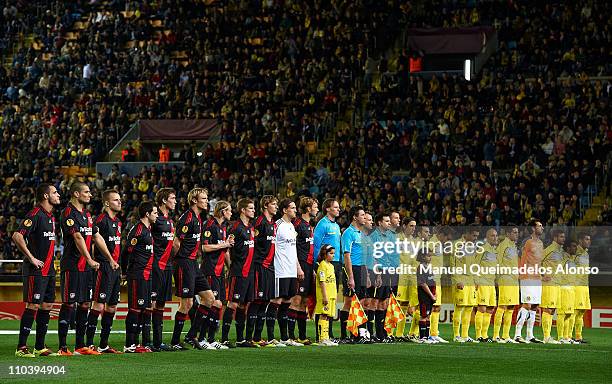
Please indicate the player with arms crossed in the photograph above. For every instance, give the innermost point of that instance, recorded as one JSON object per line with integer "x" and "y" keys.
{"x": 36, "y": 238}
{"x": 137, "y": 258}
{"x": 108, "y": 277}
{"x": 163, "y": 234}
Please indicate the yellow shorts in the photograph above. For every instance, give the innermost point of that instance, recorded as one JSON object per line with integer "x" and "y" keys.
{"x": 582, "y": 298}
{"x": 402, "y": 293}
{"x": 566, "y": 300}
{"x": 465, "y": 296}
{"x": 550, "y": 296}
{"x": 329, "y": 310}
{"x": 485, "y": 295}
{"x": 438, "y": 294}
{"x": 508, "y": 295}
{"x": 413, "y": 295}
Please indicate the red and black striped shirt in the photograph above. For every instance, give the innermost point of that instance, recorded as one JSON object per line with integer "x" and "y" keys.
{"x": 138, "y": 252}
{"x": 110, "y": 230}
{"x": 74, "y": 221}
{"x": 213, "y": 262}
{"x": 189, "y": 232}
{"x": 163, "y": 238}
{"x": 38, "y": 230}
{"x": 305, "y": 240}
{"x": 244, "y": 247}
{"x": 265, "y": 238}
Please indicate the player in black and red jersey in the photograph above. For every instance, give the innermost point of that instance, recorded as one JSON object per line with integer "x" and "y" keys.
{"x": 264, "y": 307}
{"x": 107, "y": 280}
{"x": 163, "y": 239}
{"x": 76, "y": 264}
{"x": 36, "y": 238}
{"x": 242, "y": 276}
{"x": 216, "y": 256}
{"x": 188, "y": 277}
{"x": 309, "y": 207}
{"x": 137, "y": 260}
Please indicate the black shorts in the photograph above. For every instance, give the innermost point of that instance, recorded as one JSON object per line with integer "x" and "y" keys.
{"x": 360, "y": 277}
{"x": 304, "y": 287}
{"x": 384, "y": 291}
{"x": 339, "y": 272}
{"x": 264, "y": 283}
{"x": 217, "y": 286}
{"x": 139, "y": 293}
{"x": 76, "y": 286}
{"x": 393, "y": 283}
{"x": 188, "y": 278}
{"x": 107, "y": 285}
{"x": 241, "y": 289}
{"x": 39, "y": 289}
{"x": 285, "y": 287}
{"x": 161, "y": 285}
{"x": 425, "y": 301}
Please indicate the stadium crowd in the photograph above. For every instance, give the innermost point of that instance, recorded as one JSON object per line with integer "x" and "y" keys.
{"x": 277, "y": 73}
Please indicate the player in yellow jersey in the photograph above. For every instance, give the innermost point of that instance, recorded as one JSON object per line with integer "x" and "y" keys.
{"x": 436, "y": 246}
{"x": 486, "y": 298}
{"x": 407, "y": 258}
{"x": 464, "y": 290}
{"x": 553, "y": 257}
{"x": 565, "y": 310}
{"x": 423, "y": 235}
{"x": 508, "y": 286}
{"x": 582, "y": 300}
{"x": 326, "y": 293}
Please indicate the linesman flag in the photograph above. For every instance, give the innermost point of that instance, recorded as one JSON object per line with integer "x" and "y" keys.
{"x": 394, "y": 315}
{"x": 356, "y": 316}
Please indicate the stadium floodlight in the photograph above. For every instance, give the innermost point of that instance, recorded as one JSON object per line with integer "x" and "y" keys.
{"x": 467, "y": 70}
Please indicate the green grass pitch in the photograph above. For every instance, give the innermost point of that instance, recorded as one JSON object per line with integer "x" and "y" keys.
{"x": 380, "y": 363}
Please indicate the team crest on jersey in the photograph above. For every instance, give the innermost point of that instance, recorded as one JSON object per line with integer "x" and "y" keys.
{"x": 27, "y": 223}
{"x": 103, "y": 295}
{"x": 140, "y": 301}
{"x": 36, "y": 296}
{"x": 70, "y": 222}
{"x": 134, "y": 241}
{"x": 301, "y": 289}
{"x": 255, "y": 232}
{"x": 207, "y": 234}
{"x": 72, "y": 295}
{"x": 185, "y": 290}
{"x": 236, "y": 296}
{"x": 185, "y": 229}
{"x": 260, "y": 294}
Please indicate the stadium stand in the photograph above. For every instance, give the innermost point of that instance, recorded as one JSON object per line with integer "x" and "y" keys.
{"x": 316, "y": 94}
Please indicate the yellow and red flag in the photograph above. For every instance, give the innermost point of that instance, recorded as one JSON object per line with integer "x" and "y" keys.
{"x": 356, "y": 316}
{"x": 394, "y": 314}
